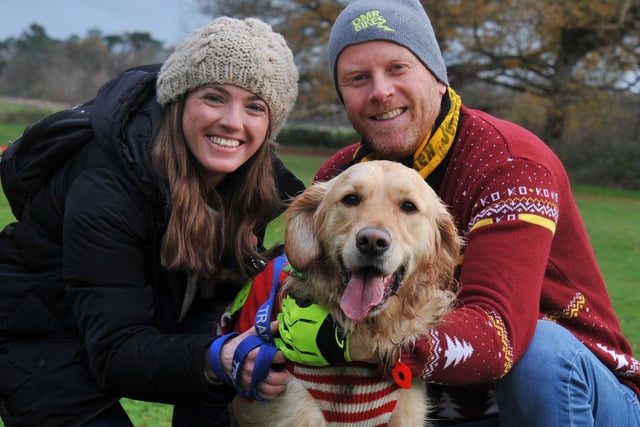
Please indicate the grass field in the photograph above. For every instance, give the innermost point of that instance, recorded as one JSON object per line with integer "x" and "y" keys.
{"x": 611, "y": 221}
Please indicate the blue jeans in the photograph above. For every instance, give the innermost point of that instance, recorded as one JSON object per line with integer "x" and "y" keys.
{"x": 559, "y": 382}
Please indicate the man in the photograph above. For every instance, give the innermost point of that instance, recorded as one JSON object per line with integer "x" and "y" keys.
{"x": 534, "y": 339}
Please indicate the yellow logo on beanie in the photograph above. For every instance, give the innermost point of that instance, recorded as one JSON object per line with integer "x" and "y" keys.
{"x": 373, "y": 18}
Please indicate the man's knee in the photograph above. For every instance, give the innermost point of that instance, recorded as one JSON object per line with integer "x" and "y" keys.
{"x": 549, "y": 353}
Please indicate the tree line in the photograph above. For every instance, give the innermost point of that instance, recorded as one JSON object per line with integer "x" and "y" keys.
{"x": 569, "y": 71}
{"x": 34, "y": 65}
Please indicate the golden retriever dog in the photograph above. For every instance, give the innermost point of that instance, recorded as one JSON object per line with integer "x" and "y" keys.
{"x": 376, "y": 246}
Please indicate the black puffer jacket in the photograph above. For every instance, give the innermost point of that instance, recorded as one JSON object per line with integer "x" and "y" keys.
{"x": 102, "y": 218}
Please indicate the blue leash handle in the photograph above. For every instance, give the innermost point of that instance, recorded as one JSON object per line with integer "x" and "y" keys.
{"x": 214, "y": 357}
{"x": 263, "y": 340}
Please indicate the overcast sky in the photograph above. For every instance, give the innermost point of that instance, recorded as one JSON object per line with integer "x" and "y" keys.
{"x": 166, "y": 20}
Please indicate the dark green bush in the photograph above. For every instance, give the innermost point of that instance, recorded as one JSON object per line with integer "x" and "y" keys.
{"x": 320, "y": 137}
{"x": 23, "y": 116}
{"x": 603, "y": 162}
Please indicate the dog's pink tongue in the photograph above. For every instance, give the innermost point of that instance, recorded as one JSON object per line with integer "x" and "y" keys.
{"x": 362, "y": 293}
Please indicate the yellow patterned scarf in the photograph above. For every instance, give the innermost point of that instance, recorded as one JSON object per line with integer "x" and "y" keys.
{"x": 436, "y": 144}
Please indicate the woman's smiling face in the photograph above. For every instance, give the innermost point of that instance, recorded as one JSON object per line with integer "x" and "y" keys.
{"x": 224, "y": 125}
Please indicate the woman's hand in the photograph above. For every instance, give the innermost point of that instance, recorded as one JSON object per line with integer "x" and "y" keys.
{"x": 276, "y": 380}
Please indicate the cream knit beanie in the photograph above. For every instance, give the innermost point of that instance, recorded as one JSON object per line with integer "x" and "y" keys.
{"x": 244, "y": 53}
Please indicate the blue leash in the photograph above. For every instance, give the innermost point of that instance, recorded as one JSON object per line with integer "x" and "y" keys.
{"x": 263, "y": 316}
{"x": 263, "y": 339}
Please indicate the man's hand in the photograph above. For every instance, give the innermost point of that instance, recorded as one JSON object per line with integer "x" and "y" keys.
{"x": 309, "y": 335}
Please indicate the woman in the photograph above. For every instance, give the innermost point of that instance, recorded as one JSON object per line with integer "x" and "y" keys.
{"x": 113, "y": 278}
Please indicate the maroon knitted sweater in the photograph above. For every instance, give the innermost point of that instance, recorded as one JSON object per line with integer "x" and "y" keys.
{"x": 527, "y": 256}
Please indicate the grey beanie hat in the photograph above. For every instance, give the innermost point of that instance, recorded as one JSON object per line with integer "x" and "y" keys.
{"x": 404, "y": 22}
{"x": 245, "y": 53}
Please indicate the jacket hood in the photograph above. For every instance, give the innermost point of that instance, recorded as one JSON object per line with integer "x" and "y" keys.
{"x": 125, "y": 115}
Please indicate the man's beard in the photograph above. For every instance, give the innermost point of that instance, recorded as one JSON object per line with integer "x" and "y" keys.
{"x": 391, "y": 143}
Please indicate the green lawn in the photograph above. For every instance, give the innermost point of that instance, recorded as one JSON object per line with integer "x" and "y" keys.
{"x": 611, "y": 221}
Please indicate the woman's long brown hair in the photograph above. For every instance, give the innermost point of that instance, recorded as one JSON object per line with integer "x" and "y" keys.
{"x": 206, "y": 224}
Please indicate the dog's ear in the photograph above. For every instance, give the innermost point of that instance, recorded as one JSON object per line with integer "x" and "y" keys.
{"x": 301, "y": 241}
{"x": 449, "y": 245}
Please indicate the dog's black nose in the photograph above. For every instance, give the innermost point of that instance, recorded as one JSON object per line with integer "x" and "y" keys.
{"x": 373, "y": 241}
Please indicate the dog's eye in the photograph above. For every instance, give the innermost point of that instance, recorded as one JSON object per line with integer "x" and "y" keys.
{"x": 408, "y": 206}
{"x": 351, "y": 200}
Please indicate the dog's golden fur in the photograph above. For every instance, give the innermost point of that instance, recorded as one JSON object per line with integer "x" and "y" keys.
{"x": 376, "y": 225}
